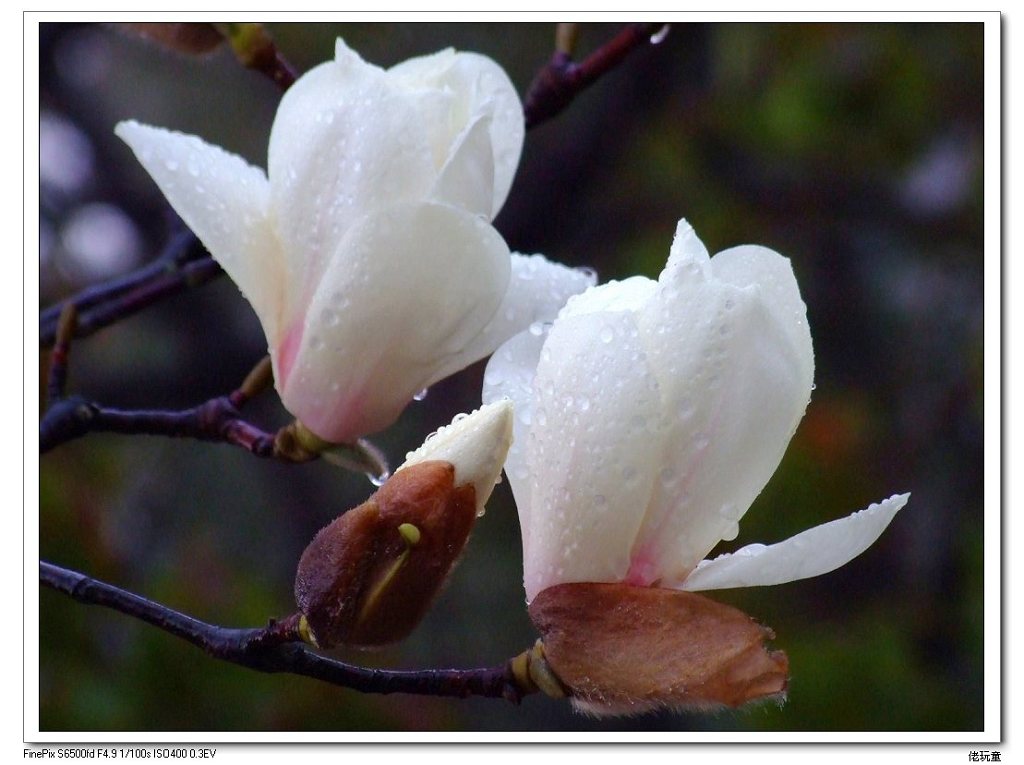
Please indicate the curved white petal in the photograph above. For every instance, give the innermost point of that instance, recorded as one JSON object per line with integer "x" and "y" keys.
{"x": 734, "y": 386}
{"x": 773, "y": 274}
{"x": 537, "y": 289}
{"x": 467, "y": 179}
{"x": 813, "y": 552}
{"x": 407, "y": 289}
{"x": 628, "y": 295}
{"x": 480, "y": 87}
{"x": 592, "y": 451}
{"x": 225, "y": 201}
{"x": 510, "y": 374}
{"x": 475, "y": 444}
{"x": 345, "y": 142}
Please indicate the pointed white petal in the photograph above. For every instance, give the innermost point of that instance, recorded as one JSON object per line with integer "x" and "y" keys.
{"x": 345, "y": 142}
{"x": 735, "y": 366}
{"x": 480, "y": 87}
{"x": 688, "y": 252}
{"x": 225, "y": 201}
{"x": 408, "y": 287}
{"x": 813, "y": 552}
{"x": 509, "y": 374}
{"x": 592, "y": 453}
{"x": 476, "y": 444}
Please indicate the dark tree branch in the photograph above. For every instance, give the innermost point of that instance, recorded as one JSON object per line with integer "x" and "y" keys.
{"x": 278, "y": 648}
{"x": 562, "y": 79}
{"x": 218, "y": 419}
{"x": 183, "y": 264}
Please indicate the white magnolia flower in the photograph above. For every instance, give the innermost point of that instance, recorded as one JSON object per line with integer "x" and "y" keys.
{"x": 366, "y": 249}
{"x": 652, "y": 414}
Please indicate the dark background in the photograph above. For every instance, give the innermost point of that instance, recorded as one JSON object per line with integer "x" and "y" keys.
{"x": 854, "y": 149}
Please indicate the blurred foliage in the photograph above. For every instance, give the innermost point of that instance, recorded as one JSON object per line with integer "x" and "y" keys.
{"x": 854, "y": 149}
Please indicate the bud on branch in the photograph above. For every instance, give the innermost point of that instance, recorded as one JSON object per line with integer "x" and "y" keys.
{"x": 369, "y": 577}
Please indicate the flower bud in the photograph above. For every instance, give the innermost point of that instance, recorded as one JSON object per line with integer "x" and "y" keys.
{"x": 369, "y": 577}
{"x": 621, "y": 649}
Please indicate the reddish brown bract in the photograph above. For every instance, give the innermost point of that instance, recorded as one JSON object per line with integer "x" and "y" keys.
{"x": 623, "y": 649}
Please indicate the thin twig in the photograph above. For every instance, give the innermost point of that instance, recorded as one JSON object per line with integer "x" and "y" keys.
{"x": 562, "y": 79}
{"x": 255, "y": 48}
{"x": 277, "y": 647}
{"x": 59, "y": 356}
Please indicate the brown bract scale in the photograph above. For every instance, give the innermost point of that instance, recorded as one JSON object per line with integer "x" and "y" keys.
{"x": 623, "y": 649}
{"x": 362, "y": 581}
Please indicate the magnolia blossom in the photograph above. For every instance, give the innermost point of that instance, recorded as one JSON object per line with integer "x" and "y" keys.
{"x": 366, "y": 248}
{"x": 651, "y": 415}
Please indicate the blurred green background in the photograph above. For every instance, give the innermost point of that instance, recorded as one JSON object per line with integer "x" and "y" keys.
{"x": 854, "y": 149}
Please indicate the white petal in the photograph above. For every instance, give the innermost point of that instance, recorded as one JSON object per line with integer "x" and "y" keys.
{"x": 687, "y": 251}
{"x": 735, "y": 373}
{"x": 467, "y": 179}
{"x": 537, "y": 289}
{"x": 628, "y": 295}
{"x": 407, "y": 289}
{"x": 345, "y": 142}
{"x": 773, "y": 275}
{"x": 509, "y": 374}
{"x": 480, "y": 87}
{"x": 225, "y": 201}
{"x": 475, "y": 444}
{"x": 592, "y": 452}
{"x": 813, "y": 552}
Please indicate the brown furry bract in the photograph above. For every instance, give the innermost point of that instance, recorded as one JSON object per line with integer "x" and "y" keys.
{"x": 625, "y": 649}
{"x": 353, "y": 583}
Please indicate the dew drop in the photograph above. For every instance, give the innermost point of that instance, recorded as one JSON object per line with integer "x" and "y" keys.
{"x": 536, "y": 329}
{"x": 421, "y": 395}
{"x": 659, "y": 37}
{"x": 606, "y": 334}
{"x": 378, "y": 479}
{"x": 731, "y": 532}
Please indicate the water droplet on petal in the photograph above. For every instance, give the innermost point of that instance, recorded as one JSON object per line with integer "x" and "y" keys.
{"x": 421, "y": 395}
{"x": 606, "y": 334}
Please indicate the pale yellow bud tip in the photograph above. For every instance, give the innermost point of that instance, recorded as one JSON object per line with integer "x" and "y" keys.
{"x": 475, "y": 444}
